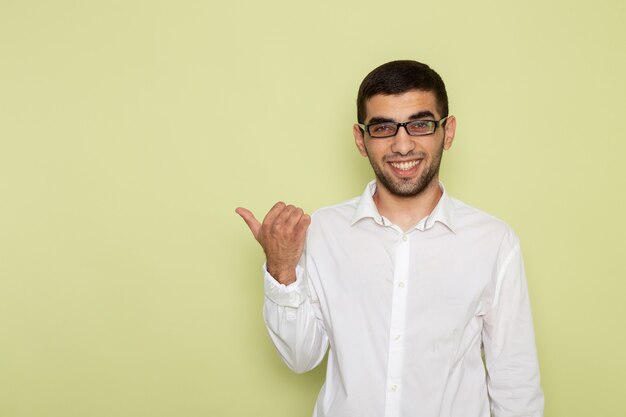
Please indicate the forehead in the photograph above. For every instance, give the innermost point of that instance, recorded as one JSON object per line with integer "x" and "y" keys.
{"x": 401, "y": 106}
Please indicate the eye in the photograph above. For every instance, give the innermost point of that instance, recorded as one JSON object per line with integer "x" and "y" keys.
{"x": 382, "y": 129}
{"x": 421, "y": 126}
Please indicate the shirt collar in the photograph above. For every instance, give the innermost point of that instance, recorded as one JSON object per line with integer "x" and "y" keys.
{"x": 442, "y": 213}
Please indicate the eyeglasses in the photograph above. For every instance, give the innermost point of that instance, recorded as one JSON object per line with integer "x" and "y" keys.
{"x": 413, "y": 128}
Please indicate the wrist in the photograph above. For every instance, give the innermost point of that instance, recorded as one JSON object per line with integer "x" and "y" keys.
{"x": 284, "y": 276}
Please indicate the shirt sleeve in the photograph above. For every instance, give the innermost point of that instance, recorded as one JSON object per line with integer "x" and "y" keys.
{"x": 294, "y": 322}
{"x": 509, "y": 344}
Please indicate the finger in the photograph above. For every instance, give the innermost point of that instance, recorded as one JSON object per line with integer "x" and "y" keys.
{"x": 284, "y": 215}
{"x": 273, "y": 213}
{"x": 250, "y": 220}
{"x": 294, "y": 217}
{"x": 302, "y": 226}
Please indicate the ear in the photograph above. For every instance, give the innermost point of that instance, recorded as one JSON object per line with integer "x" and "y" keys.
{"x": 449, "y": 131}
{"x": 359, "y": 140}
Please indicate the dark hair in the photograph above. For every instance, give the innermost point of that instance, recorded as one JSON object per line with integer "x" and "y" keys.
{"x": 397, "y": 77}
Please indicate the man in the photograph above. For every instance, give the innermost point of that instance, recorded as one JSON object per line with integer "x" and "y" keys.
{"x": 409, "y": 286}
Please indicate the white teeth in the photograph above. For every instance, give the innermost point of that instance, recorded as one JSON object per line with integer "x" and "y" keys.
{"x": 405, "y": 165}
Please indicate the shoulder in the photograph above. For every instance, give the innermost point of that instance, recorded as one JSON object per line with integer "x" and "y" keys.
{"x": 343, "y": 211}
{"x": 479, "y": 224}
{"x": 330, "y": 221}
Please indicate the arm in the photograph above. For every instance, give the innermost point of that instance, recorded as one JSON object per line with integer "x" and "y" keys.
{"x": 292, "y": 318}
{"x": 509, "y": 344}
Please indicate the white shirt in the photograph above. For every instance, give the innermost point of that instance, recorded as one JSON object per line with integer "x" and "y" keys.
{"x": 406, "y": 313}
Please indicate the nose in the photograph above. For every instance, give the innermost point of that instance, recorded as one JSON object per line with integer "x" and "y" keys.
{"x": 403, "y": 143}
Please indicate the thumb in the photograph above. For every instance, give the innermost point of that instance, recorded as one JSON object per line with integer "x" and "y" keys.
{"x": 250, "y": 220}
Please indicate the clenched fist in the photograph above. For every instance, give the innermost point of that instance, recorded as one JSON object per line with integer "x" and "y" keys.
{"x": 281, "y": 236}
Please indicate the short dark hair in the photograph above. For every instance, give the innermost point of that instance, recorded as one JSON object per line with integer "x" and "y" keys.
{"x": 397, "y": 77}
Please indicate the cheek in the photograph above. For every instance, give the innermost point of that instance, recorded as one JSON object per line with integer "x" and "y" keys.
{"x": 438, "y": 146}
{"x": 376, "y": 149}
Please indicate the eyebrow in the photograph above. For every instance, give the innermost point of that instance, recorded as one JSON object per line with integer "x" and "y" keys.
{"x": 421, "y": 115}
{"x": 416, "y": 116}
{"x": 380, "y": 120}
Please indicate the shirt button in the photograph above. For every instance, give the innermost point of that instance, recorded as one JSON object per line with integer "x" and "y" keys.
{"x": 405, "y": 238}
{"x": 397, "y": 337}
{"x": 401, "y": 284}
{"x": 394, "y": 387}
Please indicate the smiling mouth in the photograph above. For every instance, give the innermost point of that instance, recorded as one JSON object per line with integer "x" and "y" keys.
{"x": 405, "y": 165}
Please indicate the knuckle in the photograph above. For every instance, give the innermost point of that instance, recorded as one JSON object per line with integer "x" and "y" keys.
{"x": 278, "y": 207}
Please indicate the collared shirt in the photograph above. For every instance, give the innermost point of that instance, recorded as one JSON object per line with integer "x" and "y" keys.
{"x": 408, "y": 315}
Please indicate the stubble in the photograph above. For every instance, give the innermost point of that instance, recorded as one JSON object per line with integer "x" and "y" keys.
{"x": 408, "y": 187}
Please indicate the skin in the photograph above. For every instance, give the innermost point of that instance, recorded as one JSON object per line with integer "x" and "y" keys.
{"x": 402, "y": 196}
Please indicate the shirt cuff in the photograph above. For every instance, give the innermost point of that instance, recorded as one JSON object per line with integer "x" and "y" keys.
{"x": 291, "y": 295}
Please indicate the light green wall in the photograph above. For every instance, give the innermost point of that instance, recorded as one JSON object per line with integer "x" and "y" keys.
{"x": 130, "y": 130}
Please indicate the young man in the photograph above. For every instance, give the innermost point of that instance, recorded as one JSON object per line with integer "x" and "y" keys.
{"x": 409, "y": 286}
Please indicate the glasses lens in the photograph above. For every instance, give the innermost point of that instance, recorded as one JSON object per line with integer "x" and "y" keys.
{"x": 382, "y": 130}
{"x": 421, "y": 127}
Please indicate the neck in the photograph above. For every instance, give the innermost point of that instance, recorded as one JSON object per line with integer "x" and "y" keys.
{"x": 407, "y": 211}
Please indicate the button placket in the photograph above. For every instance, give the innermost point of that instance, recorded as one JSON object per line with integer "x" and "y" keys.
{"x": 395, "y": 363}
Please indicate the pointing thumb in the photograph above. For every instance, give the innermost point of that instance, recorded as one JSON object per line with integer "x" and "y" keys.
{"x": 250, "y": 220}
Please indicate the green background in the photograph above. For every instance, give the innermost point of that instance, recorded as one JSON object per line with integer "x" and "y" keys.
{"x": 130, "y": 131}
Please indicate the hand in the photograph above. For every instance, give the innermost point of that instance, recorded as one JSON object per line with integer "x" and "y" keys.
{"x": 281, "y": 236}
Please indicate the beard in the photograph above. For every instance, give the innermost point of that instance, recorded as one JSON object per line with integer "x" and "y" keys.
{"x": 408, "y": 187}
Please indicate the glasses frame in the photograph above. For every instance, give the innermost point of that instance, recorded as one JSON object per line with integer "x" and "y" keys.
{"x": 366, "y": 128}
